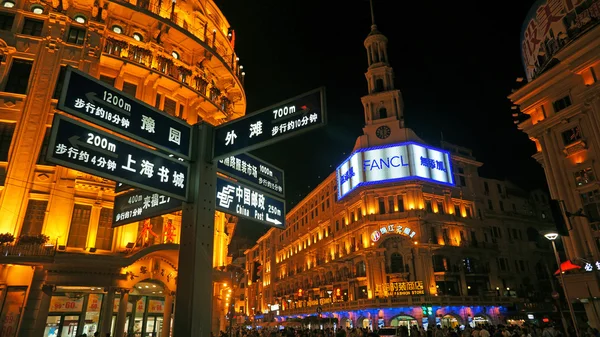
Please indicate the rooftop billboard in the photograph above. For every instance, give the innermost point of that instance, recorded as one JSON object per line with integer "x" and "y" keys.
{"x": 394, "y": 162}
{"x": 549, "y": 26}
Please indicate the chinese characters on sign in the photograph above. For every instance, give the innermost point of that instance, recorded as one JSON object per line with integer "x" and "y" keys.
{"x": 78, "y": 146}
{"x": 139, "y": 205}
{"x": 261, "y": 128}
{"x": 551, "y": 25}
{"x": 591, "y": 267}
{"x": 394, "y": 162}
{"x": 399, "y": 289}
{"x": 392, "y": 229}
{"x": 92, "y": 100}
{"x": 253, "y": 170}
{"x": 241, "y": 200}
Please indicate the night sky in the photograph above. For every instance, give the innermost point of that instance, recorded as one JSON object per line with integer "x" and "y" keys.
{"x": 455, "y": 63}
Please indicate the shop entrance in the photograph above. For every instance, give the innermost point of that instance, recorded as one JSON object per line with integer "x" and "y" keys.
{"x": 145, "y": 310}
{"x": 64, "y": 325}
{"x": 406, "y": 321}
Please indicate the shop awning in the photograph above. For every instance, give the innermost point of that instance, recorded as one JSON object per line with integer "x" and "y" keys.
{"x": 566, "y": 266}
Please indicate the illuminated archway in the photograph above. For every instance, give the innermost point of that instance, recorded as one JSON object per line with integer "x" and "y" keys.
{"x": 404, "y": 320}
{"x": 450, "y": 320}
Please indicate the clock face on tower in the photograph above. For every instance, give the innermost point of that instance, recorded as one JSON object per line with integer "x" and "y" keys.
{"x": 383, "y": 132}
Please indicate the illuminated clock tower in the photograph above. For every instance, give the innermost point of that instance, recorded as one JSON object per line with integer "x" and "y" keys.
{"x": 383, "y": 105}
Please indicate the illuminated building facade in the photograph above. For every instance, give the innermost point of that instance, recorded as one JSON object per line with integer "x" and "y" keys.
{"x": 402, "y": 233}
{"x": 67, "y": 272}
{"x": 558, "y": 108}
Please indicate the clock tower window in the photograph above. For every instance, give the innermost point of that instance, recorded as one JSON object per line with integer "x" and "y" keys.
{"x": 382, "y": 113}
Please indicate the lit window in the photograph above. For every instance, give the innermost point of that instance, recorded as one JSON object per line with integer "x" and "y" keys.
{"x": 37, "y": 9}
{"x": 175, "y": 55}
{"x": 8, "y": 4}
{"x": 138, "y": 37}
{"x": 117, "y": 29}
{"x": 80, "y": 18}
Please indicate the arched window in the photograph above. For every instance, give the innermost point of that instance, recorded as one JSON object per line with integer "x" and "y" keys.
{"x": 382, "y": 113}
{"x": 396, "y": 263}
{"x": 378, "y": 85}
{"x": 361, "y": 269}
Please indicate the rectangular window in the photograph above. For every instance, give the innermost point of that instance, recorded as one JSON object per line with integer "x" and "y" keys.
{"x": 571, "y": 136}
{"x": 6, "y": 21}
{"x": 157, "y": 101}
{"x": 440, "y": 207}
{"x": 44, "y": 148}
{"x": 32, "y": 27}
{"x": 514, "y": 207}
{"x": 80, "y": 222}
{"x": 59, "y": 82}
{"x": 486, "y": 187}
{"x": 463, "y": 181}
{"x": 130, "y": 88}
{"x": 359, "y": 213}
{"x": 180, "y": 115}
{"x": 428, "y": 206}
{"x": 457, "y": 210}
{"x": 490, "y": 206}
{"x": 400, "y": 204}
{"x": 561, "y": 103}
{"x": 34, "y": 217}
{"x": 6, "y": 135}
{"x": 18, "y": 77}
{"x": 391, "y": 204}
{"x": 499, "y": 188}
{"x": 76, "y": 36}
{"x": 501, "y": 206}
{"x": 170, "y": 106}
{"x": 337, "y": 225}
{"x": 105, "y": 232}
{"x": 381, "y": 206}
{"x": 584, "y": 177}
{"x": 469, "y": 212}
{"x": 108, "y": 80}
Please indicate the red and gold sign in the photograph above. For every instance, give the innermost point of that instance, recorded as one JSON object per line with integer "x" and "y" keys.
{"x": 156, "y": 306}
{"x": 399, "y": 289}
{"x": 66, "y": 304}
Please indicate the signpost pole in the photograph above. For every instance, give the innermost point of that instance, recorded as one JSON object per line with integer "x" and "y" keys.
{"x": 193, "y": 307}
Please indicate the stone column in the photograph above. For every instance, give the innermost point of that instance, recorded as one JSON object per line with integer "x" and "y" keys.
{"x": 122, "y": 316}
{"x": 34, "y": 306}
{"x": 93, "y": 226}
{"x": 167, "y": 315}
{"x": 107, "y": 310}
{"x": 43, "y": 309}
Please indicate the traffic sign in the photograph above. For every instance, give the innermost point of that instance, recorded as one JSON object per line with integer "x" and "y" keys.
{"x": 86, "y": 97}
{"x": 139, "y": 205}
{"x": 79, "y": 146}
{"x": 244, "y": 201}
{"x": 275, "y": 123}
{"x": 120, "y": 187}
{"x": 253, "y": 170}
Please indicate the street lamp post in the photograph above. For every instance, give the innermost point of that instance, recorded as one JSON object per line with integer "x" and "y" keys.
{"x": 331, "y": 302}
{"x": 552, "y": 237}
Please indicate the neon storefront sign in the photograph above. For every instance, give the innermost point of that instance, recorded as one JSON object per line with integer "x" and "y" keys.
{"x": 392, "y": 229}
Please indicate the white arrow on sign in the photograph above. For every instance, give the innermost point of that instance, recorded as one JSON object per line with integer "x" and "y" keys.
{"x": 274, "y": 221}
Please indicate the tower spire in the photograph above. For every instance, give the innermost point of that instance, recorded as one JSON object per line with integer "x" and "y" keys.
{"x": 372, "y": 15}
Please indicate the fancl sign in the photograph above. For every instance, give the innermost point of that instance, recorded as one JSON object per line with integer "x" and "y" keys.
{"x": 394, "y": 162}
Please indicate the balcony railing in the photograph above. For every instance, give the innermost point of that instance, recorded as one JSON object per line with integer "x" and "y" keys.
{"x": 155, "y": 60}
{"x": 20, "y": 252}
{"x": 199, "y": 29}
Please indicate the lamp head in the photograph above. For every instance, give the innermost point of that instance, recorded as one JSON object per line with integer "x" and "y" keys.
{"x": 551, "y": 236}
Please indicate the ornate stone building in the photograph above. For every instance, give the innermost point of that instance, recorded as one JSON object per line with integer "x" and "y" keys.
{"x": 403, "y": 233}
{"x": 558, "y": 107}
{"x": 69, "y": 272}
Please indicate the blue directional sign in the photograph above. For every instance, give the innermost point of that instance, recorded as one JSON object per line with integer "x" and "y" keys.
{"x": 88, "y": 98}
{"x": 138, "y": 205}
{"x": 272, "y": 124}
{"x": 253, "y": 170}
{"x": 76, "y": 145}
{"x": 244, "y": 201}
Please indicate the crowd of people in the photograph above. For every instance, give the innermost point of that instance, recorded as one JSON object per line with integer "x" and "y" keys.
{"x": 526, "y": 330}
